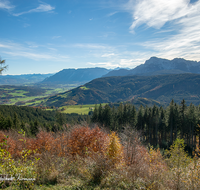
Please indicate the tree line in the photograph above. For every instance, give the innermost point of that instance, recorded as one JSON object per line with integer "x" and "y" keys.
{"x": 32, "y": 119}
{"x": 159, "y": 126}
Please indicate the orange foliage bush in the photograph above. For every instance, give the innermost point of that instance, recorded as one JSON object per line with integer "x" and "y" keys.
{"x": 43, "y": 142}
{"x": 84, "y": 141}
{"x": 81, "y": 141}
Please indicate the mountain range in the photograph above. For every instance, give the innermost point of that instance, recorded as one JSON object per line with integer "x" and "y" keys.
{"x": 158, "y": 79}
{"x": 22, "y": 79}
{"x": 162, "y": 88}
{"x": 71, "y": 76}
{"x": 158, "y": 66}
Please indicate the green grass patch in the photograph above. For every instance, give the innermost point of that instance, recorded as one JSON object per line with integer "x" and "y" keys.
{"x": 84, "y": 88}
{"x": 79, "y": 109}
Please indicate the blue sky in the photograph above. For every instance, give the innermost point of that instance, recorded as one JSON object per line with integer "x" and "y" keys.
{"x": 48, "y": 36}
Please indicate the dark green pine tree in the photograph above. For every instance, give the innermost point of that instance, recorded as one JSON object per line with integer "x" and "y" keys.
{"x": 8, "y": 123}
{"x": 15, "y": 121}
{"x": 162, "y": 128}
{"x": 146, "y": 123}
{"x": 115, "y": 123}
{"x": 120, "y": 116}
{"x": 125, "y": 115}
{"x": 192, "y": 123}
{"x": 140, "y": 118}
{"x": 100, "y": 115}
{"x": 2, "y": 122}
{"x": 183, "y": 126}
{"x": 150, "y": 125}
{"x": 107, "y": 116}
{"x": 176, "y": 120}
{"x": 34, "y": 128}
{"x": 171, "y": 120}
{"x": 155, "y": 121}
{"x": 94, "y": 118}
{"x": 22, "y": 126}
{"x": 60, "y": 118}
{"x": 133, "y": 117}
{"x": 128, "y": 114}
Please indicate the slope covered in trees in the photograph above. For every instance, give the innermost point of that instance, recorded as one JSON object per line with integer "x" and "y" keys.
{"x": 162, "y": 88}
{"x": 158, "y": 126}
{"x": 33, "y": 119}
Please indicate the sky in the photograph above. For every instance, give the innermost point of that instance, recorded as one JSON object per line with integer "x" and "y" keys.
{"x": 48, "y": 36}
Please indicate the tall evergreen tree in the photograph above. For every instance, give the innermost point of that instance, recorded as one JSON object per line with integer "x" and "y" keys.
{"x": 94, "y": 118}
{"x": 100, "y": 115}
{"x": 107, "y": 116}
{"x": 120, "y": 116}
{"x": 16, "y": 121}
{"x": 140, "y": 118}
{"x": 171, "y": 120}
{"x": 183, "y": 108}
{"x": 133, "y": 119}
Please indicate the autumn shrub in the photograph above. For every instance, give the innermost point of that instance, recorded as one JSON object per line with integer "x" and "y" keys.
{"x": 85, "y": 141}
{"x": 115, "y": 150}
{"x": 18, "y": 171}
{"x": 191, "y": 177}
{"x": 178, "y": 161}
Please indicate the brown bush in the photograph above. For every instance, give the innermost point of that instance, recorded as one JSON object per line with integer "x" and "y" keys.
{"x": 85, "y": 141}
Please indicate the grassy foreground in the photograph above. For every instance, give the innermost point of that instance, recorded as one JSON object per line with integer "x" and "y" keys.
{"x": 91, "y": 158}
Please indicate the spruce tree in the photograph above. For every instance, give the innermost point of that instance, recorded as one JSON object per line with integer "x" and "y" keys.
{"x": 94, "y": 118}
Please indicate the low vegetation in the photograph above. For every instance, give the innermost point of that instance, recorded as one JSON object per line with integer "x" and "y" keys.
{"x": 91, "y": 158}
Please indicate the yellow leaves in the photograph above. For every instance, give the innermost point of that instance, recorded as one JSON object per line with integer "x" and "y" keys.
{"x": 115, "y": 149}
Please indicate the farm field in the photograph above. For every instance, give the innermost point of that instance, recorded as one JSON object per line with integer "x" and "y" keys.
{"x": 29, "y": 95}
{"x": 79, "y": 109}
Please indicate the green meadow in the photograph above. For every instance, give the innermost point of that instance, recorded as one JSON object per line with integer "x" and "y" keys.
{"x": 29, "y": 95}
{"x": 79, "y": 109}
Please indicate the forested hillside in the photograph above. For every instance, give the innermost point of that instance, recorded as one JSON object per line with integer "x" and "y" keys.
{"x": 32, "y": 119}
{"x": 162, "y": 88}
{"x": 158, "y": 126}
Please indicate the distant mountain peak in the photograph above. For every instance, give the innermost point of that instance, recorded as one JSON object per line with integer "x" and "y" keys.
{"x": 159, "y": 66}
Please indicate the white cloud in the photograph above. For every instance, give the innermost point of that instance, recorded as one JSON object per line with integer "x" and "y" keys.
{"x": 108, "y": 55}
{"x": 5, "y": 4}
{"x": 104, "y": 64}
{"x": 90, "y": 46}
{"x": 155, "y": 13}
{"x": 111, "y": 14}
{"x": 181, "y": 16}
{"x": 30, "y": 52}
{"x": 40, "y": 8}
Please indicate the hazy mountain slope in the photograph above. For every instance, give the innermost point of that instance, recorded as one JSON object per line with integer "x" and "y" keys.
{"x": 157, "y": 66}
{"x": 161, "y": 88}
{"x": 22, "y": 79}
{"x": 76, "y": 75}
